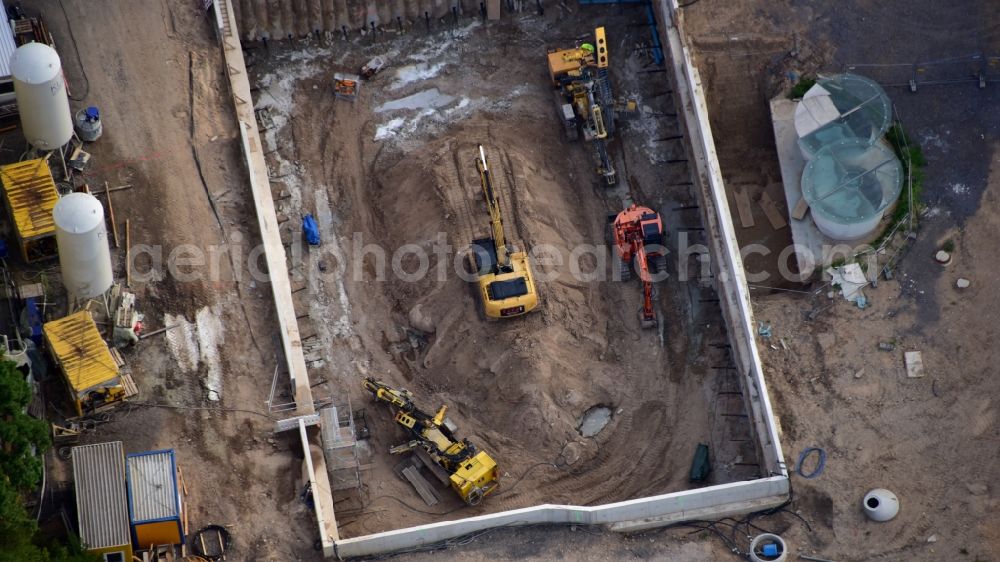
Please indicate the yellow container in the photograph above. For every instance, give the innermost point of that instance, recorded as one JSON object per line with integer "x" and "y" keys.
{"x": 91, "y": 373}
{"x": 30, "y": 195}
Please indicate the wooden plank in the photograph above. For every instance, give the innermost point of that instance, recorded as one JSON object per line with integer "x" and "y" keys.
{"x": 111, "y": 211}
{"x": 493, "y": 10}
{"x": 117, "y": 356}
{"x": 128, "y": 249}
{"x": 420, "y": 485}
{"x": 743, "y": 206}
{"x": 129, "y": 384}
{"x": 800, "y": 210}
{"x": 114, "y": 189}
{"x": 771, "y": 210}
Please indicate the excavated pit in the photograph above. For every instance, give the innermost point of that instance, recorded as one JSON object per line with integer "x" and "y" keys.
{"x": 403, "y": 179}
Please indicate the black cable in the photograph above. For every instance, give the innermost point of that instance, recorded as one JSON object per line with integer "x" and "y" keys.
{"x": 411, "y": 508}
{"x": 803, "y": 519}
{"x": 510, "y": 488}
{"x": 820, "y": 462}
{"x": 686, "y": 4}
{"x": 79, "y": 61}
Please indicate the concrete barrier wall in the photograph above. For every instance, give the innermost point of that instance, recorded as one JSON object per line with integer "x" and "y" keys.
{"x": 633, "y": 515}
{"x": 727, "y": 264}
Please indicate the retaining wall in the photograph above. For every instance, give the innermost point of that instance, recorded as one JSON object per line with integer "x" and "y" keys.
{"x": 268, "y": 19}
{"x": 727, "y": 264}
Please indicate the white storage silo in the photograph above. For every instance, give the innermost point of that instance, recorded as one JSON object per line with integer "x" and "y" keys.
{"x": 41, "y": 96}
{"x": 82, "y": 239}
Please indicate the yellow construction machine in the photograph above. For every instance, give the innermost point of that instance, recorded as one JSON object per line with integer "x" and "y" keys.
{"x": 584, "y": 101}
{"x": 504, "y": 279}
{"x": 474, "y": 474}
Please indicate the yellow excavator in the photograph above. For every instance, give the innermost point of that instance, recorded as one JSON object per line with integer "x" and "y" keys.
{"x": 474, "y": 474}
{"x": 584, "y": 101}
{"x": 504, "y": 279}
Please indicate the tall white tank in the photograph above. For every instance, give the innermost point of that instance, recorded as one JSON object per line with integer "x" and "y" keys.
{"x": 82, "y": 239}
{"x": 41, "y": 96}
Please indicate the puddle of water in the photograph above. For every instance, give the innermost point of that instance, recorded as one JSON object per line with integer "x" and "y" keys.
{"x": 432, "y": 98}
{"x": 415, "y": 73}
{"x": 594, "y": 420}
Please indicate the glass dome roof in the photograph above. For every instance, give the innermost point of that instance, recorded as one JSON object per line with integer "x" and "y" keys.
{"x": 851, "y": 181}
{"x": 840, "y": 107}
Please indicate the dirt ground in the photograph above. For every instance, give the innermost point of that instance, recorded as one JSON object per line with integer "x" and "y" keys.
{"x": 391, "y": 177}
{"x": 397, "y": 168}
{"x": 930, "y": 440}
{"x": 155, "y": 72}
{"x": 518, "y": 389}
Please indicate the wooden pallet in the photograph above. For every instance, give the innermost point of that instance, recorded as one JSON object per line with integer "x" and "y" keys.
{"x": 130, "y": 388}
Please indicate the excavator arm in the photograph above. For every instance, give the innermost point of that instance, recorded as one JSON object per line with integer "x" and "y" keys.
{"x": 648, "y": 312}
{"x": 384, "y": 393}
{"x": 493, "y": 204}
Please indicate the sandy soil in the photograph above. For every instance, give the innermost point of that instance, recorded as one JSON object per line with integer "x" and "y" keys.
{"x": 391, "y": 175}
{"x": 155, "y": 72}
{"x": 929, "y": 440}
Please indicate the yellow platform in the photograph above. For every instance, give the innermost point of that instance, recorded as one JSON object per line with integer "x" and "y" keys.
{"x": 30, "y": 195}
{"x": 84, "y": 358}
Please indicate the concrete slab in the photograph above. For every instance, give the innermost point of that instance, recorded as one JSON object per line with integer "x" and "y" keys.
{"x": 914, "y": 365}
{"x": 809, "y": 240}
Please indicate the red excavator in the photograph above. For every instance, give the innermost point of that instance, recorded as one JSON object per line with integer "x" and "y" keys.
{"x": 637, "y": 236}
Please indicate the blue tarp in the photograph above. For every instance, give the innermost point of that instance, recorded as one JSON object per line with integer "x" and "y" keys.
{"x": 311, "y": 230}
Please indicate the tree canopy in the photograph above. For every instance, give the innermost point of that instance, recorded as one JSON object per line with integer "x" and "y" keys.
{"x": 23, "y": 441}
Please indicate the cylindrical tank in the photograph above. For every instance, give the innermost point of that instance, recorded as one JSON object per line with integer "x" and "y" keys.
{"x": 82, "y": 239}
{"x": 41, "y": 96}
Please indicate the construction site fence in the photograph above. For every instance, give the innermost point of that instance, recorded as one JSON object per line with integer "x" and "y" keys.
{"x": 972, "y": 68}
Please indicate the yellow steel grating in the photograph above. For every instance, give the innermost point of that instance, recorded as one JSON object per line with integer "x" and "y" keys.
{"x": 82, "y": 354}
{"x": 31, "y": 195}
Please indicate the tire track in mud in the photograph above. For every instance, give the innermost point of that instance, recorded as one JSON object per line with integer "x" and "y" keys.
{"x": 458, "y": 200}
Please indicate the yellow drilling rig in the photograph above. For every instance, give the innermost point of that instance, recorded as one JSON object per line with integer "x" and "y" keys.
{"x": 584, "y": 101}
{"x": 474, "y": 474}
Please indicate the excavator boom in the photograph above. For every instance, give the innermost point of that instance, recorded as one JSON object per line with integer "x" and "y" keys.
{"x": 493, "y": 205}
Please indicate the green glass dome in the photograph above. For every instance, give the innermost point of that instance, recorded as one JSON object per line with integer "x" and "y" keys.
{"x": 849, "y": 184}
{"x": 841, "y": 107}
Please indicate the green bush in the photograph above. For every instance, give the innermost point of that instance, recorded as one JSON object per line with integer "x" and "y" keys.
{"x": 913, "y": 160}
{"x": 23, "y": 439}
{"x": 801, "y": 87}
